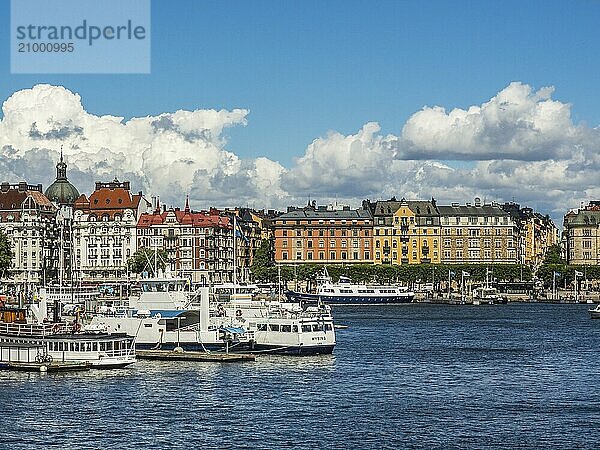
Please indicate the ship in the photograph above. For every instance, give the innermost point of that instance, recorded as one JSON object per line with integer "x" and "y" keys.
{"x": 346, "y": 292}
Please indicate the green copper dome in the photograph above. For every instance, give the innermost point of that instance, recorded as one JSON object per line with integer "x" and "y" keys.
{"x": 61, "y": 191}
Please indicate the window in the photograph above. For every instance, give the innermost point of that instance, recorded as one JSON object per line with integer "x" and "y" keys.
{"x": 355, "y": 255}
{"x": 331, "y": 255}
{"x": 367, "y": 255}
{"x": 321, "y": 244}
{"x": 309, "y": 244}
{"x": 284, "y": 255}
{"x": 298, "y": 255}
{"x": 321, "y": 255}
{"x": 332, "y": 243}
{"x": 309, "y": 255}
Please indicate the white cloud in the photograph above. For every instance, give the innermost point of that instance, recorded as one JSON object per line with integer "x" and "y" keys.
{"x": 170, "y": 154}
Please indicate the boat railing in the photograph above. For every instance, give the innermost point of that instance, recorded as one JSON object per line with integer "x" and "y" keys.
{"x": 119, "y": 353}
{"x": 30, "y": 329}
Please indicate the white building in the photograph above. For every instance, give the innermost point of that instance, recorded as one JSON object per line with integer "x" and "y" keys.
{"x": 104, "y": 231}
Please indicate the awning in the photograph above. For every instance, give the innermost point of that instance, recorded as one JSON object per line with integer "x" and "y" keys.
{"x": 165, "y": 313}
{"x": 233, "y": 330}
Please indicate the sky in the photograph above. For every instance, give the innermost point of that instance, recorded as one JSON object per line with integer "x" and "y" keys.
{"x": 267, "y": 103}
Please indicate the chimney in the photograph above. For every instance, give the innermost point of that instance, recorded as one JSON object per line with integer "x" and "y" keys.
{"x": 22, "y": 186}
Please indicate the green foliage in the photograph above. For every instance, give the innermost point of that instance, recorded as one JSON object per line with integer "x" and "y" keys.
{"x": 553, "y": 255}
{"x": 143, "y": 260}
{"x": 6, "y": 253}
{"x": 406, "y": 273}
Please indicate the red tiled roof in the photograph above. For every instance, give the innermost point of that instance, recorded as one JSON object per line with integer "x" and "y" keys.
{"x": 195, "y": 219}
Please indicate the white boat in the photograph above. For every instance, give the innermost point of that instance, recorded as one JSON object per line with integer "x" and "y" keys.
{"x": 485, "y": 296}
{"x": 595, "y": 313}
{"x": 167, "y": 316}
{"x": 23, "y": 341}
{"x": 344, "y": 291}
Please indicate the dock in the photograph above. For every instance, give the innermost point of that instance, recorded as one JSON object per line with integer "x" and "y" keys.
{"x": 169, "y": 355}
{"x": 66, "y": 366}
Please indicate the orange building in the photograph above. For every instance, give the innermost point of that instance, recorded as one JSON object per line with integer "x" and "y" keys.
{"x": 325, "y": 236}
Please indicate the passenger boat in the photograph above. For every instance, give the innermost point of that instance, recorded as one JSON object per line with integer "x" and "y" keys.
{"x": 344, "y": 291}
{"x": 166, "y": 316}
{"x": 28, "y": 342}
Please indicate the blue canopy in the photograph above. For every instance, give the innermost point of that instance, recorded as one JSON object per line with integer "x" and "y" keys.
{"x": 166, "y": 313}
{"x": 233, "y": 330}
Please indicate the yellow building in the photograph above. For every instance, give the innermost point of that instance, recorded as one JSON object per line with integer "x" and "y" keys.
{"x": 406, "y": 232}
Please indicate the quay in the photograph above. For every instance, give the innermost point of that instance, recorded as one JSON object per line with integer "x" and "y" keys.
{"x": 59, "y": 366}
{"x": 168, "y": 355}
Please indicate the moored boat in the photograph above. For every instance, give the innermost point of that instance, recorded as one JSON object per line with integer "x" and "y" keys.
{"x": 345, "y": 292}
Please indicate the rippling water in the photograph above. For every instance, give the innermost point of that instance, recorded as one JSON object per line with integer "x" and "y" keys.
{"x": 402, "y": 376}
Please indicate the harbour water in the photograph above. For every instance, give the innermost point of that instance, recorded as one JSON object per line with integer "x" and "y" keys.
{"x": 401, "y": 376}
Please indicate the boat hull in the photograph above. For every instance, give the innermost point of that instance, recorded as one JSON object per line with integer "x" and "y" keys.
{"x": 341, "y": 299}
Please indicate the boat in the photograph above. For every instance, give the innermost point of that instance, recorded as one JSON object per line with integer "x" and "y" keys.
{"x": 486, "y": 295}
{"x": 167, "y": 316}
{"x": 28, "y": 338}
{"x": 595, "y": 313}
{"x": 345, "y": 292}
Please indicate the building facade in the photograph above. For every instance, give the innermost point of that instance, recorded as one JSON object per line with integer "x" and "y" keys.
{"x": 28, "y": 219}
{"x": 581, "y": 235}
{"x": 323, "y": 235}
{"x": 478, "y": 234}
{"x": 405, "y": 231}
{"x": 104, "y": 231}
{"x": 199, "y": 245}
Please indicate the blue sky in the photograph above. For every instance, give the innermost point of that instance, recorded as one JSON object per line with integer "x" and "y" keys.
{"x": 306, "y": 67}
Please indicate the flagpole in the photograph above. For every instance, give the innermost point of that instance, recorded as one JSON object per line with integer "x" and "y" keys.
{"x": 576, "y": 296}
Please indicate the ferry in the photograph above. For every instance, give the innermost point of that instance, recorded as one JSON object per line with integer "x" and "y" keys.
{"x": 345, "y": 292}
{"x": 167, "y": 316}
{"x": 23, "y": 341}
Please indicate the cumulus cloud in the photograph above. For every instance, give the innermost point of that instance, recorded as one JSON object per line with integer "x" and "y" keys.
{"x": 520, "y": 144}
{"x": 518, "y": 123}
{"x": 171, "y": 154}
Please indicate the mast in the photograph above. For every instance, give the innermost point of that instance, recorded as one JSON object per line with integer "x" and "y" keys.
{"x": 234, "y": 252}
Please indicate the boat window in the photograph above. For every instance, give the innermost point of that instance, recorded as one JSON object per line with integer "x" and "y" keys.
{"x": 95, "y": 347}
{"x": 328, "y": 327}
{"x": 102, "y": 346}
{"x": 76, "y": 345}
{"x": 306, "y": 328}
{"x": 72, "y": 346}
{"x": 262, "y": 327}
{"x": 286, "y": 328}
{"x": 117, "y": 345}
{"x": 317, "y": 327}
{"x": 273, "y": 327}
{"x": 294, "y": 328}
{"x": 109, "y": 346}
{"x": 88, "y": 347}
{"x": 148, "y": 325}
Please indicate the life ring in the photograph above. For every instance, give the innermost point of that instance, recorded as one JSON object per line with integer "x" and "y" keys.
{"x": 238, "y": 313}
{"x": 76, "y": 328}
{"x": 55, "y": 328}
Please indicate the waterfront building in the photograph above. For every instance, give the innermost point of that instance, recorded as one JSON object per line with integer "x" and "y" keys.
{"x": 320, "y": 234}
{"x": 199, "y": 245}
{"x": 581, "y": 235}
{"x": 248, "y": 236}
{"x": 27, "y": 217}
{"x": 405, "y": 231}
{"x": 537, "y": 233}
{"x": 63, "y": 194}
{"x": 104, "y": 231}
{"x": 478, "y": 234}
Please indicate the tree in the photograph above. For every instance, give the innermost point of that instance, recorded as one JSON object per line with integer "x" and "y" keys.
{"x": 143, "y": 260}
{"x": 6, "y": 253}
{"x": 553, "y": 255}
{"x": 263, "y": 265}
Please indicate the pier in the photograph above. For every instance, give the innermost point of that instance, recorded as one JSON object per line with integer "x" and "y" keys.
{"x": 168, "y": 355}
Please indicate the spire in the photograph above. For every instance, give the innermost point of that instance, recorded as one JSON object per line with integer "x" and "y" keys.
{"x": 187, "y": 204}
{"x": 157, "y": 204}
{"x": 61, "y": 167}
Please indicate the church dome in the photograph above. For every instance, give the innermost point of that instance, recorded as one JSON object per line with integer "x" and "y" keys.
{"x": 61, "y": 191}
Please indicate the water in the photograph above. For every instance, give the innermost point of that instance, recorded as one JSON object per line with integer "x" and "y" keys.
{"x": 402, "y": 376}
